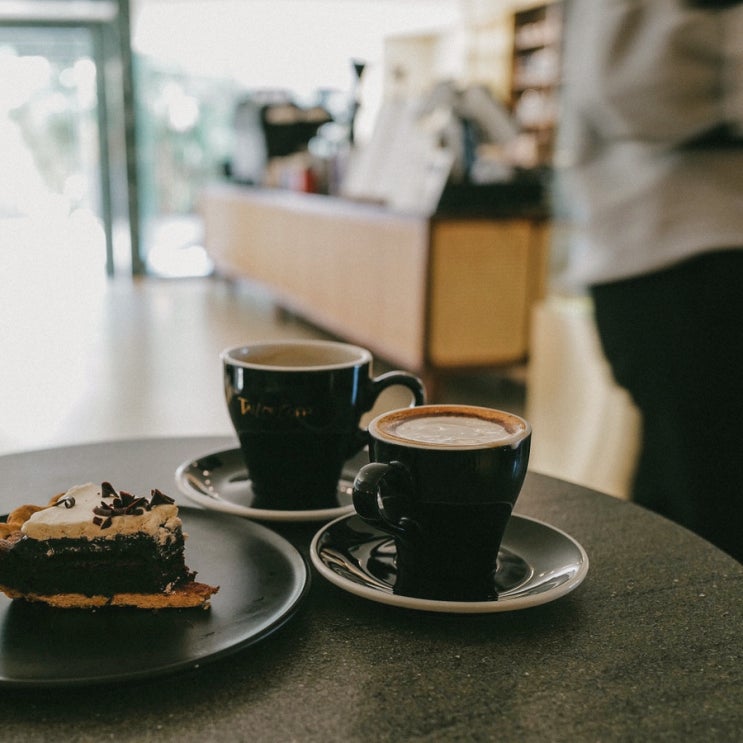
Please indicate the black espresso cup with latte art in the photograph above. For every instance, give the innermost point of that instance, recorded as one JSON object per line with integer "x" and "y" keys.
{"x": 443, "y": 480}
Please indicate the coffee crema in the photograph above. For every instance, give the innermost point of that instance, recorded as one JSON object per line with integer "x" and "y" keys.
{"x": 451, "y": 426}
{"x": 450, "y": 429}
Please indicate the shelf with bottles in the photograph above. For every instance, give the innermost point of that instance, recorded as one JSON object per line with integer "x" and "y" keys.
{"x": 536, "y": 68}
{"x": 536, "y": 73}
{"x": 536, "y": 108}
{"x": 537, "y": 28}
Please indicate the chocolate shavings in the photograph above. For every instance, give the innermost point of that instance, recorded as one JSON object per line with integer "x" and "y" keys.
{"x": 158, "y": 498}
{"x": 125, "y": 504}
{"x": 107, "y": 490}
{"x": 103, "y": 523}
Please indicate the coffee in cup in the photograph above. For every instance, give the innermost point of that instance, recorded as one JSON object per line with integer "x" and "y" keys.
{"x": 443, "y": 480}
{"x": 296, "y": 407}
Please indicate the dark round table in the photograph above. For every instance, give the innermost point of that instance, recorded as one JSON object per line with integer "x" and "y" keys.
{"x": 647, "y": 648}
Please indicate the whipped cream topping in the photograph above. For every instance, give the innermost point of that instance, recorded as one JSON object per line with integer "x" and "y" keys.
{"x": 82, "y": 519}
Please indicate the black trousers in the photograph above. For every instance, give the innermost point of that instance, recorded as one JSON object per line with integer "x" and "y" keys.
{"x": 674, "y": 340}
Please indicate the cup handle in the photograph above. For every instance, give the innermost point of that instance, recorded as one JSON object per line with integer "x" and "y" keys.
{"x": 405, "y": 379}
{"x": 378, "y": 384}
{"x": 380, "y": 490}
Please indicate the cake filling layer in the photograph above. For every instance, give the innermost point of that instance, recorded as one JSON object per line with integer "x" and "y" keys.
{"x": 124, "y": 564}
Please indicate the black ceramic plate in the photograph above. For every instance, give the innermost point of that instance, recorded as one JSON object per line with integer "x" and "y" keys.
{"x": 262, "y": 581}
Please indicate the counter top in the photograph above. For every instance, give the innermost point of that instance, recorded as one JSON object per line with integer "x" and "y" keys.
{"x": 526, "y": 196}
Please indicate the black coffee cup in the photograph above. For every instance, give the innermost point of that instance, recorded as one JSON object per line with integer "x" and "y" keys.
{"x": 296, "y": 407}
{"x": 443, "y": 480}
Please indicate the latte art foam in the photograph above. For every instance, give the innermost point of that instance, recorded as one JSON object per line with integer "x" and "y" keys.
{"x": 449, "y": 430}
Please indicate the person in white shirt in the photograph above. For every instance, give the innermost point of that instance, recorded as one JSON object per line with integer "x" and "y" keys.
{"x": 650, "y": 169}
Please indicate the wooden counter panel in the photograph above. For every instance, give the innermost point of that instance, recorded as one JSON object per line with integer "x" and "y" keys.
{"x": 427, "y": 295}
{"x": 355, "y": 271}
{"x": 484, "y": 277}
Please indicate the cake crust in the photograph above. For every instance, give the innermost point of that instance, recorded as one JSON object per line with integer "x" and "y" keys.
{"x": 187, "y": 596}
{"x": 18, "y": 517}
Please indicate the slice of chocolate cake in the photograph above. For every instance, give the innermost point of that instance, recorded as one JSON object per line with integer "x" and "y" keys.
{"x": 94, "y": 546}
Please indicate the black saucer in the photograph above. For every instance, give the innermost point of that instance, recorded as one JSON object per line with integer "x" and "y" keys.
{"x": 537, "y": 563}
{"x": 220, "y": 482}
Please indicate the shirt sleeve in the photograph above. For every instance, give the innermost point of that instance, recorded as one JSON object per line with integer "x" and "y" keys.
{"x": 654, "y": 71}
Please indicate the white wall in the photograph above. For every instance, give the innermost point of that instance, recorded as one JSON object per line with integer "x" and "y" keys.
{"x": 299, "y": 45}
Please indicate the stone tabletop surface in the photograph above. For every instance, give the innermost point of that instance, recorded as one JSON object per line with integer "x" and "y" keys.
{"x": 648, "y": 648}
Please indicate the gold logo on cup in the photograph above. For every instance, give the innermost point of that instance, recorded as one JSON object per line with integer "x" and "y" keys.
{"x": 283, "y": 410}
